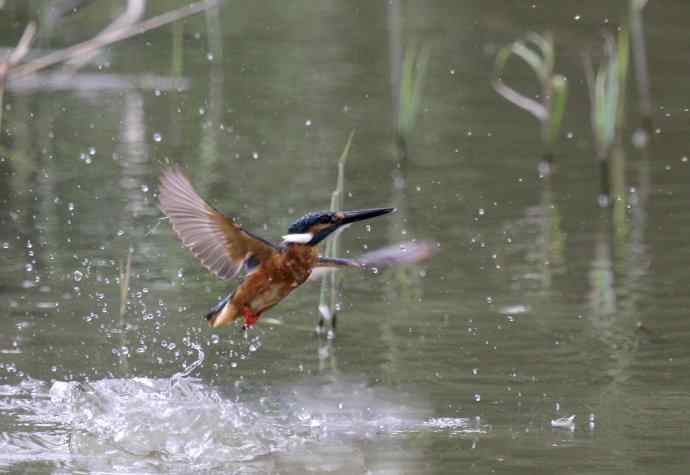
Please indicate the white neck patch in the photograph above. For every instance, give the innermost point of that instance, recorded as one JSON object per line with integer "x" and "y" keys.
{"x": 302, "y": 238}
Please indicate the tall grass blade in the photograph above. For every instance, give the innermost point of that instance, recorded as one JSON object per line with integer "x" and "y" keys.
{"x": 414, "y": 69}
{"x": 607, "y": 86}
{"x": 537, "y": 51}
{"x": 559, "y": 97}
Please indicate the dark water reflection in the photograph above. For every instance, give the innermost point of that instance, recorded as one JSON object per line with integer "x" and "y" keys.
{"x": 539, "y": 305}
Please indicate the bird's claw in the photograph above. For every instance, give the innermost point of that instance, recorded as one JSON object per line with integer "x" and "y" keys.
{"x": 250, "y": 318}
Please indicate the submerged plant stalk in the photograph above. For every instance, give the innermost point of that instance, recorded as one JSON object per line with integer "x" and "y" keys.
{"x": 125, "y": 273}
{"x": 110, "y": 37}
{"x": 15, "y": 57}
{"x": 639, "y": 52}
{"x": 328, "y": 301}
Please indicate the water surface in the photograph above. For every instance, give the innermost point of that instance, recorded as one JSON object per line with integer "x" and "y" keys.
{"x": 538, "y": 306}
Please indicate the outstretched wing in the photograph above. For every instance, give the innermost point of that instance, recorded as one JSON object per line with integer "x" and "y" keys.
{"x": 407, "y": 252}
{"x": 222, "y": 246}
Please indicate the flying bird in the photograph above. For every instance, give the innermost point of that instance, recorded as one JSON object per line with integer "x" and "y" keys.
{"x": 270, "y": 271}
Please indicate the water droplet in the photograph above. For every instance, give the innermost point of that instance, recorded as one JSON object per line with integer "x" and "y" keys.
{"x": 255, "y": 155}
{"x": 77, "y": 275}
{"x": 70, "y": 206}
{"x": 5, "y": 245}
{"x": 564, "y": 423}
{"x": 157, "y": 137}
{"x": 28, "y": 267}
{"x": 157, "y": 92}
{"x": 374, "y": 270}
{"x": 577, "y": 17}
{"x": 307, "y": 123}
{"x": 477, "y": 397}
{"x": 481, "y": 212}
{"x": 172, "y": 346}
{"x": 209, "y": 56}
{"x": 368, "y": 228}
{"x": 120, "y": 232}
{"x": 215, "y": 339}
{"x": 233, "y": 364}
{"x": 475, "y": 371}
{"x": 640, "y": 138}
{"x": 92, "y": 151}
{"x": 252, "y": 348}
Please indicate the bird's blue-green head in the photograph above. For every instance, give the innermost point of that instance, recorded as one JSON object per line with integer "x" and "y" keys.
{"x": 312, "y": 228}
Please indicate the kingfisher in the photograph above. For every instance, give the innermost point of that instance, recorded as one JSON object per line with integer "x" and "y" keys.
{"x": 270, "y": 271}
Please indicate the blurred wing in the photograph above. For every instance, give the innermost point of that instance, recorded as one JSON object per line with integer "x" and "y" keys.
{"x": 222, "y": 246}
{"x": 408, "y": 252}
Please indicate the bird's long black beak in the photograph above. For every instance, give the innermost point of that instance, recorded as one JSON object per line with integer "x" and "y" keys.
{"x": 362, "y": 214}
{"x": 348, "y": 217}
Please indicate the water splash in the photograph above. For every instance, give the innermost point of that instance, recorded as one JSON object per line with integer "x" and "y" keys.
{"x": 181, "y": 423}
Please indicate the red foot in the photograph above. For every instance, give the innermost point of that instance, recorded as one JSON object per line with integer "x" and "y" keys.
{"x": 250, "y": 317}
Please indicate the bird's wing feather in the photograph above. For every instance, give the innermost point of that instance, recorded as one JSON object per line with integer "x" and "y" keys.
{"x": 336, "y": 262}
{"x": 221, "y": 245}
{"x": 325, "y": 265}
{"x": 408, "y": 252}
